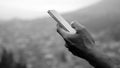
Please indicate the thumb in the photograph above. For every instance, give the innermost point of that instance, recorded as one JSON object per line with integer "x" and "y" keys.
{"x": 62, "y": 31}
{"x": 76, "y": 25}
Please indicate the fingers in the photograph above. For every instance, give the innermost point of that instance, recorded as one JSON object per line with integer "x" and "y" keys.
{"x": 62, "y": 32}
{"x": 77, "y": 26}
{"x": 84, "y": 33}
{"x": 65, "y": 34}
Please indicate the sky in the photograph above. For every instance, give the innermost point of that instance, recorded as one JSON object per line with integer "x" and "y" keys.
{"x": 30, "y": 9}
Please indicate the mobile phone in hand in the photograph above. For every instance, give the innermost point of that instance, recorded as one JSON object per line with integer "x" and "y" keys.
{"x": 61, "y": 21}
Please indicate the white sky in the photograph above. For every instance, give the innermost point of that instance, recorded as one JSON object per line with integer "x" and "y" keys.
{"x": 29, "y": 9}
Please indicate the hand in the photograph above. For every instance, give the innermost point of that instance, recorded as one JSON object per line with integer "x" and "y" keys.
{"x": 82, "y": 44}
{"x": 79, "y": 43}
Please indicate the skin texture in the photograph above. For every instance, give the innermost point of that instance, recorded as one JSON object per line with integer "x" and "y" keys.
{"x": 82, "y": 45}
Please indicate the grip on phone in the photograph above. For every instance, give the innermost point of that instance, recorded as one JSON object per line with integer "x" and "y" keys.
{"x": 61, "y": 21}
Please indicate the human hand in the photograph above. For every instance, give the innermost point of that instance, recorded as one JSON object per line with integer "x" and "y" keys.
{"x": 82, "y": 44}
{"x": 79, "y": 43}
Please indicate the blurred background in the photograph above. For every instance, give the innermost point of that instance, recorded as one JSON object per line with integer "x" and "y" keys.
{"x": 28, "y": 31}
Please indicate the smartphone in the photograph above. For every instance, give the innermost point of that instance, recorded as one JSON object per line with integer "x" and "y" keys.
{"x": 60, "y": 20}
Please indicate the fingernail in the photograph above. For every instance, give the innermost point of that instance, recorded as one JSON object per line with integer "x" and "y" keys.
{"x": 72, "y": 22}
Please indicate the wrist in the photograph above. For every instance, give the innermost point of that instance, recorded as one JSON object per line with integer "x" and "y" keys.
{"x": 99, "y": 59}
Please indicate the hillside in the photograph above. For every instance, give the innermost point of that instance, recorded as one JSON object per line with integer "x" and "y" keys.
{"x": 99, "y": 16}
{"x": 40, "y": 42}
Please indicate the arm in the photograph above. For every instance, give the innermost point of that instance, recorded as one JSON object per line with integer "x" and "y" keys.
{"x": 95, "y": 58}
{"x": 82, "y": 44}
